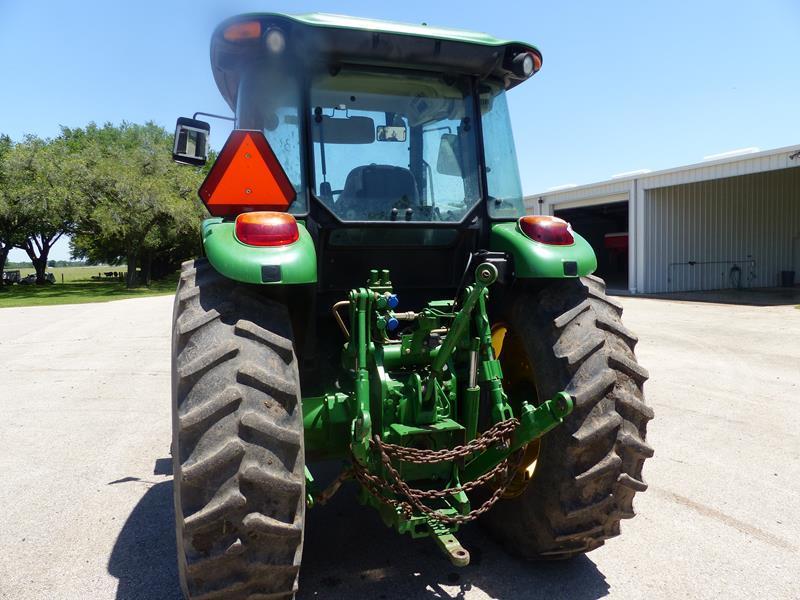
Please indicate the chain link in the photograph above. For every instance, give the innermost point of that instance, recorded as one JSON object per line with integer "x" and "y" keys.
{"x": 413, "y": 498}
{"x": 499, "y": 432}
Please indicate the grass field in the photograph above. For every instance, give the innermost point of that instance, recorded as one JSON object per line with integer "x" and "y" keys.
{"x": 78, "y": 288}
{"x": 74, "y": 273}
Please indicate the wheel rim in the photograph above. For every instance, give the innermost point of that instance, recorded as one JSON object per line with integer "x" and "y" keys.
{"x": 518, "y": 380}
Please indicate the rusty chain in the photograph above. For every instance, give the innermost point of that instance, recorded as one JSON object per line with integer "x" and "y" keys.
{"x": 324, "y": 497}
{"x": 499, "y": 432}
{"x": 378, "y": 486}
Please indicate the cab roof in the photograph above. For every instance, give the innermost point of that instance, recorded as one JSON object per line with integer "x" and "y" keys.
{"x": 422, "y": 30}
{"x": 339, "y": 39}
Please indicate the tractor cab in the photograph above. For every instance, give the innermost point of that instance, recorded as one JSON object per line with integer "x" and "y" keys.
{"x": 396, "y": 138}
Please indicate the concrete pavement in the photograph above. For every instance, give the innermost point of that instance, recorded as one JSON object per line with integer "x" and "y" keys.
{"x": 86, "y": 497}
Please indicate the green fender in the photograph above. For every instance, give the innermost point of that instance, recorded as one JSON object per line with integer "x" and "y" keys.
{"x": 534, "y": 260}
{"x": 290, "y": 264}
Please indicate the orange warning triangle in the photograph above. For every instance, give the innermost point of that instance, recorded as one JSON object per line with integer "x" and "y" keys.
{"x": 247, "y": 176}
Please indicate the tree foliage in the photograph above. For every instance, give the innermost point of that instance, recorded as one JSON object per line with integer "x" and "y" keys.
{"x": 139, "y": 207}
{"x": 113, "y": 189}
{"x": 39, "y": 197}
{"x": 7, "y": 225}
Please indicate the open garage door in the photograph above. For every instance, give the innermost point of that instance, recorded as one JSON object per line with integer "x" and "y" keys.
{"x": 605, "y": 227}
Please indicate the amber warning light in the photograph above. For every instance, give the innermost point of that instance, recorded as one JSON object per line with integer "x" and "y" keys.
{"x": 245, "y": 30}
{"x": 246, "y": 177}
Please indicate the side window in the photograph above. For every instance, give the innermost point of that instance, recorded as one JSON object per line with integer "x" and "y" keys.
{"x": 451, "y": 175}
{"x": 274, "y": 110}
{"x": 502, "y": 176}
{"x": 284, "y": 138}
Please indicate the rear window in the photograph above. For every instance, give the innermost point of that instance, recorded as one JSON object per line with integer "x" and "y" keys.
{"x": 391, "y": 147}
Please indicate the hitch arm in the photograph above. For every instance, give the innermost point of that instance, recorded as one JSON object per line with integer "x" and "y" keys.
{"x": 362, "y": 424}
{"x": 534, "y": 422}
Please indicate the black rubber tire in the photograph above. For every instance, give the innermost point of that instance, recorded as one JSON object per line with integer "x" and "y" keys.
{"x": 590, "y": 467}
{"x": 238, "y": 459}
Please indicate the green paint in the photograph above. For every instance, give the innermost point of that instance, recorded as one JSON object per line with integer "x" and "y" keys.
{"x": 416, "y": 393}
{"x": 536, "y": 260}
{"x": 311, "y": 489}
{"x": 240, "y": 262}
{"x": 326, "y": 421}
{"x": 448, "y": 543}
{"x": 534, "y": 423}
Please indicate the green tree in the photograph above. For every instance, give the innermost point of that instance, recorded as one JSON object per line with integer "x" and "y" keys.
{"x": 8, "y": 228}
{"x": 39, "y": 197}
{"x": 136, "y": 200}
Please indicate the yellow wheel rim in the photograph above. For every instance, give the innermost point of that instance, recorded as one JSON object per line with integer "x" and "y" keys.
{"x": 517, "y": 372}
{"x": 499, "y": 332}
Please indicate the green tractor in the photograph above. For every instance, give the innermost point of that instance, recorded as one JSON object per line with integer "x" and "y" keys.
{"x": 372, "y": 292}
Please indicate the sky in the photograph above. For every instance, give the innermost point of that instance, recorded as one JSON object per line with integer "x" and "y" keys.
{"x": 625, "y": 85}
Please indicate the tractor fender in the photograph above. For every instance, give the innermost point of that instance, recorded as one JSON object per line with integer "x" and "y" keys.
{"x": 534, "y": 259}
{"x": 290, "y": 264}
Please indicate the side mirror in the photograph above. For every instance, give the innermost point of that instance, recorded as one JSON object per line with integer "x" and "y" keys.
{"x": 449, "y": 159}
{"x": 191, "y": 141}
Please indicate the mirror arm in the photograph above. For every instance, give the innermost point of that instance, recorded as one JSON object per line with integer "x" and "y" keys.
{"x": 322, "y": 153}
{"x": 205, "y": 114}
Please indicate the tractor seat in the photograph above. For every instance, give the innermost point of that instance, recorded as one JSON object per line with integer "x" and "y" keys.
{"x": 372, "y": 191}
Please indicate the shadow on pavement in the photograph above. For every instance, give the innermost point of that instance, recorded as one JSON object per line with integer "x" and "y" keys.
{"x": 143, "y": 558}
{"x": 349, "y": 553}
{"x": 163, "y": 466}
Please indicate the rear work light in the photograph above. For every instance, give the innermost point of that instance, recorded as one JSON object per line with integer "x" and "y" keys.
{"x": 523, "y": 64}
{"x": 547, "y": 230}
{"x": 526, "y": 64}
{"x": 266, "y": 228}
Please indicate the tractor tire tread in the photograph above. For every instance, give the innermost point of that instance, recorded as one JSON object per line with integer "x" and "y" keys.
{"x": 575, "y": 357}
{"x": 591, "y": 431}
{"x": 238, "y": 455}
{"x": 280, "y": 344}
{"x": 190, "y": 321}
{"x": 590, "y": 467}
{"x": 615, "y": 327}
{"x": 630, "y": 367}
{"x": 226, "y": 400}
{"x": 566, "y": 318}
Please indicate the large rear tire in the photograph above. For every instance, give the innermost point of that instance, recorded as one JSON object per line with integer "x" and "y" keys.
{"x": 238, "y": 459}
{"x": 587, "y": 470}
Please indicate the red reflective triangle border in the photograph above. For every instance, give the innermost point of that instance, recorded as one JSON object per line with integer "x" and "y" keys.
{"x": 245, "y": 203}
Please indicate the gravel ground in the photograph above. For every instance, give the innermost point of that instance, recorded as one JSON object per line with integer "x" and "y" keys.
{"x": 86, "y": 496}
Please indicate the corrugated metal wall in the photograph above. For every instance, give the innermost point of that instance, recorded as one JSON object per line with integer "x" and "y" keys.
{"x": 750, "y": 221}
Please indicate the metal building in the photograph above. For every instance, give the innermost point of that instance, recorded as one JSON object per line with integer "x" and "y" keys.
{"x": 725, "y": 223}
